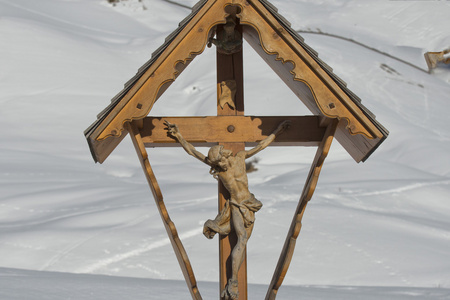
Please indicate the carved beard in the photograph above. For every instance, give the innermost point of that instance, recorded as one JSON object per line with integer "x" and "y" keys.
{"x": 217, "y": 168}
{"x": 222, "y": 166}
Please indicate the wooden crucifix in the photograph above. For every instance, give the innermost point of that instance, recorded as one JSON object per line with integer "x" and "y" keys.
{"x": 228, "y": 133}
{"x": 223, "y": 23}
{"x": 335, "y": 108}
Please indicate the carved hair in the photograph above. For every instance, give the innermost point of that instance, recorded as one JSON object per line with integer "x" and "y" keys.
{"x": 215, "y": 154}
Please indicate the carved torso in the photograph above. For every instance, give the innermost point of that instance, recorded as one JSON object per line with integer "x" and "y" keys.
{"x": 235, "y": 178}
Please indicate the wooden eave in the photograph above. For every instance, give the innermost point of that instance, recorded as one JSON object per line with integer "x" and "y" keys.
{"x": 276, "y": 42}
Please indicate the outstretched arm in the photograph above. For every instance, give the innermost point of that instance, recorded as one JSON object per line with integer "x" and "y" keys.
{"x": 173, "y": 131}
{"x": 266, "y": 142}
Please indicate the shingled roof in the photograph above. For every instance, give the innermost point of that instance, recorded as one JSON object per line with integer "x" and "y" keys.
{"x": 360, "y": 143}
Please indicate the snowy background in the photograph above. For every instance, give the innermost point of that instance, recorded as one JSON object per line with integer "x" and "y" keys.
{"x": 72, "y": 229}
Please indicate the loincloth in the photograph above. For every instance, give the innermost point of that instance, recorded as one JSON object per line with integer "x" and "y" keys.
{"x": 222, "y": 223}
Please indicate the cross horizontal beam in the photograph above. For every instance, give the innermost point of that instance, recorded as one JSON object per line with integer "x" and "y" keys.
{"x": 209, "y": 131}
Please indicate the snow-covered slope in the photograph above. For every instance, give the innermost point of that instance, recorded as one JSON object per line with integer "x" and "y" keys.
{"x": 56, "y": 286}
{"x": 381, "y": 223}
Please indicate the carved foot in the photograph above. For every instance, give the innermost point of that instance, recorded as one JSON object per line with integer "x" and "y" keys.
{"x": 231, "y": 291}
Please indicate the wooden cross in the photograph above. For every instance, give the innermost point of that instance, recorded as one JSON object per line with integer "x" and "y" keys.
{"x": 232, "y": 129}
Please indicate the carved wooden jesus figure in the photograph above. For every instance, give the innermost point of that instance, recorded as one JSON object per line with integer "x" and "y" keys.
{"x": 241, "y": 207}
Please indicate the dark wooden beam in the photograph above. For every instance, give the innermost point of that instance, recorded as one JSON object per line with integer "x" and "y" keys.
{"x": 230, "y": 67}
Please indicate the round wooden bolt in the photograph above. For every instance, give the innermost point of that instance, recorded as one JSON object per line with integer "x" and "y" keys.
{"x": 230, "y": 128}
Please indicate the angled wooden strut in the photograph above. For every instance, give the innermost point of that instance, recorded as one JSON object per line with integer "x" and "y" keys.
{"x": 180, "y": 252}
{"x": 308, "y": 190}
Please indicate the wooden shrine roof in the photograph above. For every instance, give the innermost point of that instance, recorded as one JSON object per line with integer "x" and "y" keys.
{"x": 358, "y": 145}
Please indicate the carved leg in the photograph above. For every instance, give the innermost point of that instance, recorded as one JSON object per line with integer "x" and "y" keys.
{"x": 242, "y": 233}
{"x": 231, "y": 290}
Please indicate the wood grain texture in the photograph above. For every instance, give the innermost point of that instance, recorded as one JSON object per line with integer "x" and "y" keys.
{"x": 208, "y": 131}
{"x": 177, "y": 245}
{"x": 296, "y": 225}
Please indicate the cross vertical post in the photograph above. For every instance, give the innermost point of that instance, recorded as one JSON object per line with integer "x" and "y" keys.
{"x": 230, "y": 67}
